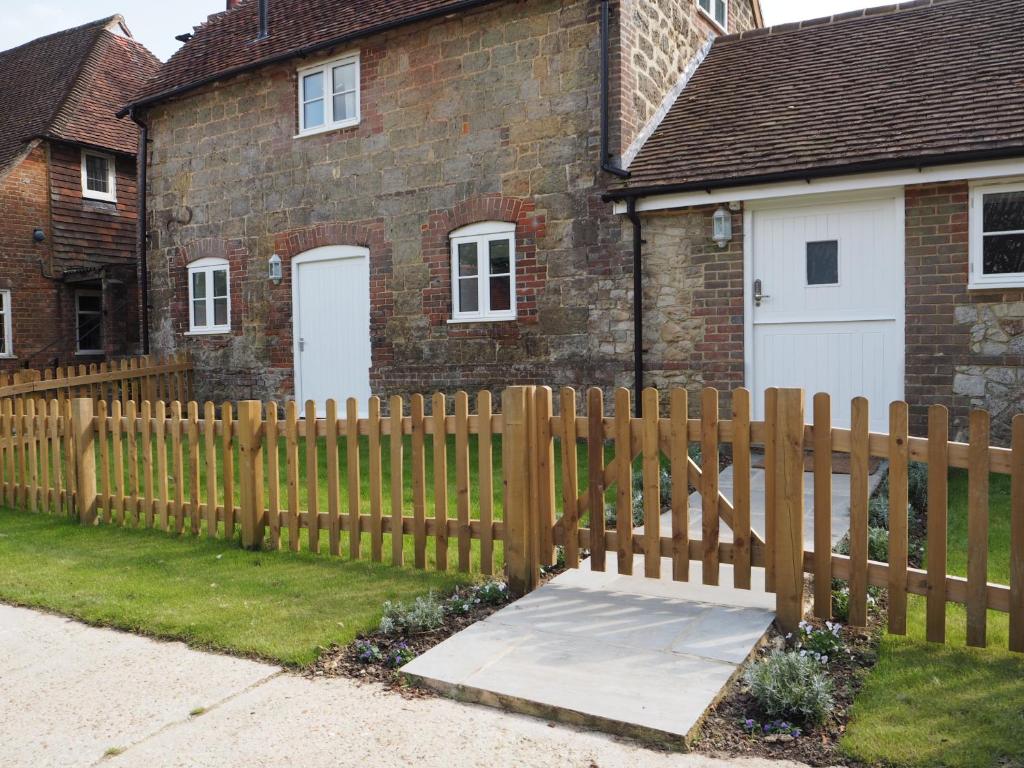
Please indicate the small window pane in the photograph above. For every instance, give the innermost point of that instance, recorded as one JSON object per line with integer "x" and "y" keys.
{"x": 90, "y": 303}
{"x": 313, "y": 86}
{"x": 1004, "y": 212}
{"x": 720, "y": 12}
{"x": 705, "y": 4}
{"x": 96, "y": 169}
{"x": 199, "y": 314}
{"x": 501, "y": 294}
{"x": 467, "y": 259}
{"x": 1004, "y": 254}
{"x": 823, "y": 263}
{"x": 345, "y": 78}
{"x": 344, "y": 107}
{"x": 313, "y": 114}
{"x": 198, "y": 285}
{"x": 220, "y": 282}
{"x": 498, "y": 251}
{"x": 220, "y": 311}
{"x": 469, "y": 299}
{"x": 90, "y": 333}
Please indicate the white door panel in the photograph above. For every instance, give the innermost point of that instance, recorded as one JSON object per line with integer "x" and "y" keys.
{"x": 331, "y": 310}
{"x": 831, "y": 317}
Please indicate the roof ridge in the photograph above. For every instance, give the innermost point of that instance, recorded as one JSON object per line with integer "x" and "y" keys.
{"x": 861, "y": 13}
{"x": 103, "y": 23}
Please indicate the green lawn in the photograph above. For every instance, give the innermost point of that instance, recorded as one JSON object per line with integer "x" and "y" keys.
{"x": 949, "y": 705}
{"x": 211, "y": 594}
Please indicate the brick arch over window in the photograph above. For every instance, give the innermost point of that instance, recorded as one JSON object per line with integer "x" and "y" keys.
{"x": 531, "y": 276}
{"x": 237, "y": 256}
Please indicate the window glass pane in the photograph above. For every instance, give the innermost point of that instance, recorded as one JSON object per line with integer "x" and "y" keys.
{"x": 1004, "y": 212}
{"x": 345, "y": 78}
{"x": 96, "y": 174}
{"x": 198, "y": 285}
{"x": 467, "y": 259}
{"x": 313, "y": 114}
{"x": 199, "y": 314}
{"x": 90, "y": 332}
{"x": 499, "y": 257}
{"x": 1004, "y": 254}
{"x": 3, "y": 298}
{"x": 313, "y": 86}
{"x": 705, "y": 4}
{"x": 720, "y": 12}
{"x": 220, "y": 282}
{"x": 823, "y": 263}
{"x": 220, "y": 311}
{"x": 501, "y": 294}
{"x": 90, "y": 303}
{"x": 469, "y": 299}
{"x": 344, "y": 106}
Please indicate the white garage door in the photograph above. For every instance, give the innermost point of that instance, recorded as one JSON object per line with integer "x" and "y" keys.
{"x": 331, "y": 315}
{"x": 825, "y": 299}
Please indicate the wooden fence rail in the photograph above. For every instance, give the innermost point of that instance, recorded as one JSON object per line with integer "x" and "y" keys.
{"x": 432, "y": 484}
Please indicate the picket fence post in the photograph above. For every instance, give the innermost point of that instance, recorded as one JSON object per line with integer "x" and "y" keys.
{"x": 250, "y": 471}
{"x": 521, "y": 555}
{"x": 789, "y": 509}
{"x": 84, "y": 433}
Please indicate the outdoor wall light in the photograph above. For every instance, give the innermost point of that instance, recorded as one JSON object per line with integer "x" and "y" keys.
{"x": 722, "y": 226}
{"x": 275, "y": 269}
{"x": 38, "y": 235}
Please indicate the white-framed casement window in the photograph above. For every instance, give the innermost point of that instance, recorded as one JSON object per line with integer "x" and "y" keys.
{"x": 329, "y": 95}
{"x": 99, "y": 177}
{"x": 89, "y": 322}
{"x": 484, "y": 272}
{"x": 997, "y": 235}
{"x": 6, "y": 347}
{"x": 717, "y": 11}
{"x": 209, "y": 296}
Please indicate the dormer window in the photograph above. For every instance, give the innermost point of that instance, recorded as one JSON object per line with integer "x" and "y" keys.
{"x": 329, "y": 95}
{"x": 99, "y": 181}
{"x": 717, "y": 11}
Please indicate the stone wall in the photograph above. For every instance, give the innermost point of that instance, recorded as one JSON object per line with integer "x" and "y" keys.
{"x": 493, "y": 113}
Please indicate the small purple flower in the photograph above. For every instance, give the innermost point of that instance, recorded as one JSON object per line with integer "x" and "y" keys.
{"x": 796, "y": 733}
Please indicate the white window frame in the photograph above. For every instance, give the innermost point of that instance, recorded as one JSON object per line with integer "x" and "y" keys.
{"x": 977, "y": 278}
{"x": 709, "y": 13}
{"x": 330, "y": 124}
{"x": 92, "y": 194}
{"x": 481, "y": 234}
{"x": 8, "y": 315}
{"x": 78, "y": 316}
{"x": 208, "y": 266}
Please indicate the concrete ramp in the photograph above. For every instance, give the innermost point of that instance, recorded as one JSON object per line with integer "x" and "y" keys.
{"x": 629, "y": 655}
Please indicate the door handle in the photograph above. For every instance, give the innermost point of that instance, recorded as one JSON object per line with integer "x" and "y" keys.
{"x": 302, "y": 345}
{"x": 759, "y": 295}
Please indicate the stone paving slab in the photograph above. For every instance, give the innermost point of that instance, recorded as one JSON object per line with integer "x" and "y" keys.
{"x": 635, "y": 656}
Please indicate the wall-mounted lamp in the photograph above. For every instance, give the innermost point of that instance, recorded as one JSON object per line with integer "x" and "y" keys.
{"x": 275, "y": 269}
{"x": 38, "y": 235}
{"x": 722, "y": 226}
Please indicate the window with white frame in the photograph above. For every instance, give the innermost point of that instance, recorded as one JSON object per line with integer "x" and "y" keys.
{"x": 6, "y": 350}
{"x": 99, "y": 179}
{"x": 483, "y": 272}
{"x": 89, "y": 322}
{"x": 209, "y": 296}
{"x": 717, "y": 11}
{"x": 997, "y": 235}
{"x": 329, "y": 95}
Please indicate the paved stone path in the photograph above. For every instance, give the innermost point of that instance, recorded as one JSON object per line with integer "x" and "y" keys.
{"x": 69, "y": 693}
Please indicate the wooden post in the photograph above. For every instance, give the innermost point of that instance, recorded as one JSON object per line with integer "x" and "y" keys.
{"x": 789, "y": 509}
{"x": 520, "y": 545}
{"x": 85, "y": 459}
{"x": 250, "y": 472}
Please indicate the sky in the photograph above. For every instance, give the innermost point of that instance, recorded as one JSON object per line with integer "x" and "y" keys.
{"x": 156, "y": 22}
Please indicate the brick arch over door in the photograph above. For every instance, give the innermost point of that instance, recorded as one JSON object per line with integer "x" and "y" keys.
{"x": 368, "y": 234}
{"x": 531, "y": 275}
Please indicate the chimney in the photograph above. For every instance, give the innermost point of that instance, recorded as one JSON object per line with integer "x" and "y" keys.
{"x": 232, "y": 4}
{"x": 264, "y": 19}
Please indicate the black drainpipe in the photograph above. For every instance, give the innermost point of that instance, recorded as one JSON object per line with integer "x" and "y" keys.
{"x": 142, "y": 163}
{"x": 638, "y": 308}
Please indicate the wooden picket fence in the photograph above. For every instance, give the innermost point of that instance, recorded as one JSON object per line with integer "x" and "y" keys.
{"x": 218, "y": 470}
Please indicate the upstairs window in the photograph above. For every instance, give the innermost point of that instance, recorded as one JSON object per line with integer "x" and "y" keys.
{"x": 483, "y": 272}
{"x": 329, "y": 95}
{"x": 99, "y": 181}
{"x": 209, "y": 296}
{"x": 717, "y": 11}
{"x": 997, "y": 236}
{"x": 6, "y": 350}
{"x": 89, "y": 322}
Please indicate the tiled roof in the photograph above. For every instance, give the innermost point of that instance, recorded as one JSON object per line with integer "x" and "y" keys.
{"x": 925, "y": 81}
{"x": 68, "y": 86}
{"x": 227, "y": 42}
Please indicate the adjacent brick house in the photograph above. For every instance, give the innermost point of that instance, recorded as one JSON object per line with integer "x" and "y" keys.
{"x": 68, "y": 235}
{"x": 428, "y": 177}
{"x": 871, "y": 169}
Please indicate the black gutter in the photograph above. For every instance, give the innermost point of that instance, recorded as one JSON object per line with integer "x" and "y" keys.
{"x": 638, "y": 308}
{"x": 142, "y": 240}
{"x": 901, "y": 164}
{"x": 606, "y": 155}
{"x": 297, "y": 53}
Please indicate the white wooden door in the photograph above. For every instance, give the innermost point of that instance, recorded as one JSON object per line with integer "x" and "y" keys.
{"x": 827, "y": 313}
{"x": 331, "y": 312}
